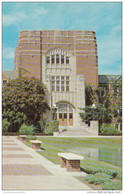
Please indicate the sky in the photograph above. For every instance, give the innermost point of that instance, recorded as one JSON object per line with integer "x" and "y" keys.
{"x": 105, "y": 18}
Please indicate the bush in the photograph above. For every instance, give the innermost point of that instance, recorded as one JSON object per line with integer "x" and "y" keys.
{"x": 112, "y": 185}
{"x": 30, "y": 137}
{"x": 5, "y": 125}
{"x": 119, "y": 176}
{"x": 9, "y": 126}
{"x": 108, "y": 129}
{"x": 98, "y": 178}
{"x": 27, "y": 130}
{"x": 48, "y": 131}
{"x": 92, "y": 167}
{"x": 51, "y": 126}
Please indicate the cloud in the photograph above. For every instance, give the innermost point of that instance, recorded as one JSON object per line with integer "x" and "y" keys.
{"x": 8, "y": 53}
{"x": 13, "y": 19}
{"x": 18, "y": 17}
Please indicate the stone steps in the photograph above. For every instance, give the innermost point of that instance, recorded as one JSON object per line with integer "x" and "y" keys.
{"x": 76, "y": 132}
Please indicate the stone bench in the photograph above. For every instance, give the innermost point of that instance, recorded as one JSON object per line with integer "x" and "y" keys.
{"x": 23, "y": 137}
{"x": 36, "y": 144}
{"x": 70, "y": 161}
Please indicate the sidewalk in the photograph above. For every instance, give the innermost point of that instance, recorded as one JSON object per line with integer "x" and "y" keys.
{"x": 25, "y": 169}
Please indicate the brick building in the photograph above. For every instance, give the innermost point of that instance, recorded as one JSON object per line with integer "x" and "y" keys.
{"x": 64, "y": 61}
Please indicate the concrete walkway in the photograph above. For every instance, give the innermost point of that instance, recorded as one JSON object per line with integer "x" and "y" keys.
{"x": 25, "y": 169}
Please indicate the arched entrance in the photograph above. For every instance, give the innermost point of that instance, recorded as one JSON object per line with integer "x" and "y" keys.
{"x": 64, "y": 114}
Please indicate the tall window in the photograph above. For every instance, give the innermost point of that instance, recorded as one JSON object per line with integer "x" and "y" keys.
{"x": 57, "y": 59}
{"x": 48, "y": 59}
{"x": 67, "y": 83}
{"x": 52, "y": 59}
{"x": 62, "y": 59}
{"x": 67, "y": 60}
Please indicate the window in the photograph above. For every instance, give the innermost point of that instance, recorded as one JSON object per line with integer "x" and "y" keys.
{"x": 65, "y": 108}
{"x": 52, "y": 59}
{"x": 60, "y": 83}
{"x": 60, "y": 115}
{"x": 65, "y": 115}
{"x": 57, "y": 85}
{"x": 67, "y": 60}
{"x": 47, "y": 59}
{"x": 57, "y": 59}
{"x": 70, "y": 116}
{"x": 67, "y": 86}
{"x": 62, "y": 59}
{"x": 53, "y": 85}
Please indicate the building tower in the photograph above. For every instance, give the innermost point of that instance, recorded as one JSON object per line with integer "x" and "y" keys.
{"x": 64, "y": 61}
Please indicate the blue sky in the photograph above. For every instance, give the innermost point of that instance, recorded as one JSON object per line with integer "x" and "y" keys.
{"x": 105, "y": 18}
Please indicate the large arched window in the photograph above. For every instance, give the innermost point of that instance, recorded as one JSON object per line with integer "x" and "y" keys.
{"x": 57, "y": 56}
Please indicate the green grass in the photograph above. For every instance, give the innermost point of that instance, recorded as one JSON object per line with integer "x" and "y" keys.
{"x": 53, "y": 145}
{"x": 100, "y": 172}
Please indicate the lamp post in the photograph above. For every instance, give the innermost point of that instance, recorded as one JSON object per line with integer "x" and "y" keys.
{"x": 54, "y": 110}
{"x": 93, "y": 107}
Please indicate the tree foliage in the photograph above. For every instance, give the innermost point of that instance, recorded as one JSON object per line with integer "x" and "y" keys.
{"x": 24, "y": 101}
{"x": 89, "y": 95}
{"x": 116, "y": 96}
{"x": 102, "y": 111}
{"x": 108, "y": 106}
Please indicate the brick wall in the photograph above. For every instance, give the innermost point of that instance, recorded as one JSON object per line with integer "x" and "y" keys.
{"x": 33, "y": 44}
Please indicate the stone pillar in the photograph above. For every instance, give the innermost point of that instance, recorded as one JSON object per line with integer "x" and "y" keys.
{"x": 63, "y": 162}
{"x": 73, "y": 165}
{"x": 94, "y": 127}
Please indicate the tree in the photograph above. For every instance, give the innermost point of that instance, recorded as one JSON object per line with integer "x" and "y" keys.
{"x": 24, "y": 100}
{"x": 102, "y": 111}
{"x": 90, "y": 95}
{"x": 116, "y": 96}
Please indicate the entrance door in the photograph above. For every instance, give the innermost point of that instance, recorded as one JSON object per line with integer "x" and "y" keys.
{"x": 71, "y": 119}
{"x": 63, "y": 119}
{"x": 65, "y": 114}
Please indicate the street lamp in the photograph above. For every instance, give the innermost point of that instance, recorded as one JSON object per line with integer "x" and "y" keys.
{"x": 93, "y": 107}
{"x": 54, "y": 109}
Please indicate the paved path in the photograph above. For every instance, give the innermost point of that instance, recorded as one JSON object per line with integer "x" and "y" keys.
{"x": 25, "y": 169}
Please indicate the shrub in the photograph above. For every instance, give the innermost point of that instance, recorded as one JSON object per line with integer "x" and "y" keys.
{"x": 92, "y": 167}
{"x": 5, "y": 125}
{"x": 48, "y": 131}
{"x": 52, "y": 126}
{"x": 108, "y": 129}
{"x": 27, "y": 130}
{"x": 112, "y": 185}
{"x": 98, "y": 178}
{"x": 119, "y": 176}
{"x": 30, "y": 137}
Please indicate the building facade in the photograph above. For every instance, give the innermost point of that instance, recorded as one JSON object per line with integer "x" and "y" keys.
{"x": 64, "y": 61}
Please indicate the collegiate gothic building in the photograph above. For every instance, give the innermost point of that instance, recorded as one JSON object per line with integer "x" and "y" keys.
{"x": 64, "y": 61}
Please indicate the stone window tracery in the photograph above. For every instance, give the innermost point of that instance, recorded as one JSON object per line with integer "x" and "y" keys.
{"x": 57, "y": 56}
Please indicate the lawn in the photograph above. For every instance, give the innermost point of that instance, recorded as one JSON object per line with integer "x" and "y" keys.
{"x": 105, "y": 149}
{"x": 107, "y": 164}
